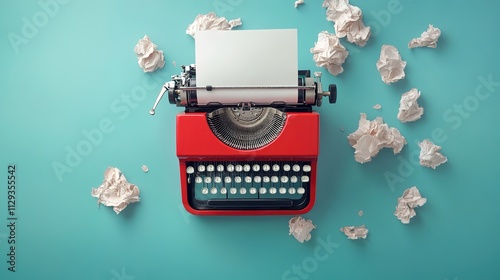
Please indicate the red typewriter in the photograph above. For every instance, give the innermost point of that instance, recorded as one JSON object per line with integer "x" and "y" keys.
{"x": 247, "y": 158}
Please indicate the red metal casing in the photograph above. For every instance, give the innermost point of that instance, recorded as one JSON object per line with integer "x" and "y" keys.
{"x": 298, "y": 140}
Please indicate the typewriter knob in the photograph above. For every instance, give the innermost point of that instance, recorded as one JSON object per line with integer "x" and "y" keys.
{"x": 332, "y": 88}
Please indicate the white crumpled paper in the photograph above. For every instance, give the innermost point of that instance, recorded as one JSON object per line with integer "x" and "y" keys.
{"x": 372, "y": 136}
{"x": 430, "y": 155}
{"x": 353, "y": 232}
{"x": 115, "y": 190}
{"x": 298, "y": 2}
{"x": 328, "y": 52}
{"x": 301, "y": 228}
{"x": 377, "y": 106}
{"x": 390, "y": 65}
{"x": 405, "y": 209}
{"x": 409, "y": 110}
{"x": 210, "y": 21}
{"x": 348, "y": 21}
{"x": 428, "y": 38}
{"x": 149, "y": 58}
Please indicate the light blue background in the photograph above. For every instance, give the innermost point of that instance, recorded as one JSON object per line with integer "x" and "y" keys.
{"x": 75, "y": 71}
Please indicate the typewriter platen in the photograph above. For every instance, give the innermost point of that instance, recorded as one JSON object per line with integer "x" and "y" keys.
{"x": 247, "y": 158}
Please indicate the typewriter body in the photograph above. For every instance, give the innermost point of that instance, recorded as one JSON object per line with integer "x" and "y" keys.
{"x": 251, "y": 157}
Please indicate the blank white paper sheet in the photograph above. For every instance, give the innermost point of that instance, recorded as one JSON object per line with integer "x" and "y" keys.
{"x": 246, "y": 58}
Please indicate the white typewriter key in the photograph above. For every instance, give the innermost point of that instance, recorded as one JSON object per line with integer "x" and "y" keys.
{"x": 230, "y": 168}
{"x": 238, "y": 168}
{"x": 276, "y": 168}
{"x": 204, "y": 190}
{"x": 296, "y": 167}
{"x": 217, "y": 179}
{"x": 256, "y": 168}
{"x": 274, "y": 179}
{"x": 282, "y": 190}
{"x": 257, "y": 179}
{"x": 233, "y": 191}
{"x": 284, "y": 179}
{"x": 201, "y": 168}
{"x": 237, "y": 179}
{"x": 210, "y": 168}
{"x": 252, "y": 191}
{"x": 198, "y": 180}
{"x": 266, "y": 167}
{"x": 248, "y": 179}
{"x": 272, "y": 190}
{"x": 304, "y": 179}
{"x": 246, "y": 167}
{"x": 291, "y": 190}
{"x": 306, "y": 168}
{"x": 301, "y": 190}
{"x": 262, "y": 190}
{"x": 265, "y": 179}
{"x": 294, "y": 179}
{"x": 208, "y": 180}
{"x": 190, "y": 170}
{"x": 243, "y": 191}
{"x": 227, "y": 179}
{"x": 223, "y": 190}
{"x": 220, "y": 168}
{"x": 213, "y": 190}
{"x": 286, "y": 167}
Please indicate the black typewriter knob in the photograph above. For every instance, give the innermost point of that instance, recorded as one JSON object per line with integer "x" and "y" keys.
{"x": 332, "y": 88}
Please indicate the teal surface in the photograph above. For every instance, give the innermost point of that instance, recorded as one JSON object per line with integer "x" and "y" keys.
{"x": 70, "y": 82}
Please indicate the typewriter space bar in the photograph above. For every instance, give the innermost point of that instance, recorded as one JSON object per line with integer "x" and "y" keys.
{"x": 249, "y": 203}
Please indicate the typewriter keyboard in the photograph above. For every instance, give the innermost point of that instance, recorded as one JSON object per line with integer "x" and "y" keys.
{"x": 271, "y": 184}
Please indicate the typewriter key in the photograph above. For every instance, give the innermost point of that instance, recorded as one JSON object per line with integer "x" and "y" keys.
{"x": 243, "y": 191}
{"x": 305, "y": 179}
{"x": 256, "y": 168}
{"x": 213, "y": 190}
{"x": 306, "y": 168}
{"x": 238, "y": 168}
{"x": 220, "y": 168}
{"x": 301, "y": 190}
{"x": 272, "y": 190}
{"x": 233, "y": 191}
{"x": 296, "y": 167}
{"x": 266, "y": 167}
{"x": 262, "y": 190}
{"x": 276, "y": 168}
{"x": 204, "y": 190}
{"x": 230, "y": 168}
{"x": 210, "y": 168}
{"x": 253, "y": 190}
{"x": 223, "y": 190}
{"x": 291, "y": 190}
{"x": 246, "y": 167}
{"x": 286, "y": 167}
{"x": 282, "y": 190}
{"x": 201, "y": 168}
{"x": 190, "y": 170}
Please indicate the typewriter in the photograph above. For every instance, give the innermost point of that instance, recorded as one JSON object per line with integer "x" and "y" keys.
{"x": 247, "y": 157}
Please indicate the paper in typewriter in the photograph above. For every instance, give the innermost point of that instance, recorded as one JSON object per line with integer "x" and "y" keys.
{"x": 246, "y": 58}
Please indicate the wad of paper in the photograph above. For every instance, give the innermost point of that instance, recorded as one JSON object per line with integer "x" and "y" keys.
{"x": 298, "y": 2}
{"x": 301, "y": 228}
{"x": 372, "y": 136}
{"x": 328, "y": 52}
{"x": 115, "y": 191}
{"x": 428, "y": 38}
{"x": 348, "y": 21}
{"x": 409, "y": 110}
{"x": 430, "y": 155}
{"x": 353, "y": 232}
{"x": 405, "y": 209}
{"x": 149, "y": 58}
{"x": 390, "y": 65}
{"x": 211, "y": 21}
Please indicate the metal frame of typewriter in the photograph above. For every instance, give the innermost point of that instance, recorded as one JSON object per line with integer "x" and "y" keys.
{"x": 289, "y": 143}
